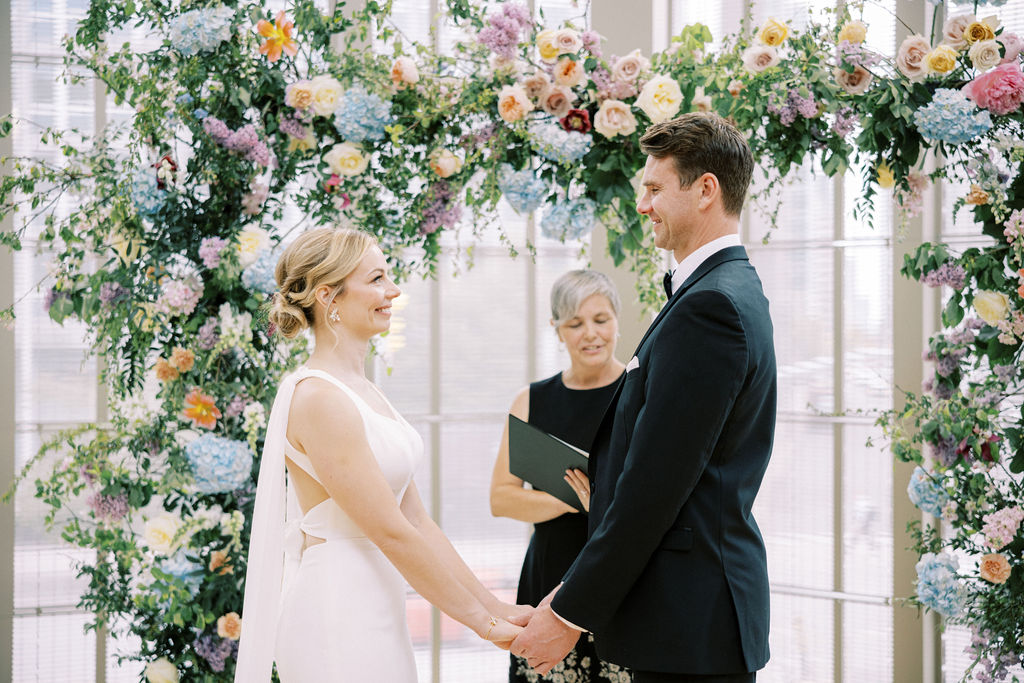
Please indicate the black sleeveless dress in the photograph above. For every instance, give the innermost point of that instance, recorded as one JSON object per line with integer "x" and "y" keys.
{"x": 572, "y": 415}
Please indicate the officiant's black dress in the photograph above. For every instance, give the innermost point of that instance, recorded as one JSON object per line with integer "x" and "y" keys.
{"x": 572, "y": 415}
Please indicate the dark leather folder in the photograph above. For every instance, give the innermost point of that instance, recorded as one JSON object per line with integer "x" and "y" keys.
{"x": 541, "y": 459}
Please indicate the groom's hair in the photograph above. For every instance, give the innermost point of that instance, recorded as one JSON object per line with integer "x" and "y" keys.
{"x": 700, "y": 143}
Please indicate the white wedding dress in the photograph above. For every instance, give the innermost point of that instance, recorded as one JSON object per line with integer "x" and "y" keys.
{"x": 339, "y": 610}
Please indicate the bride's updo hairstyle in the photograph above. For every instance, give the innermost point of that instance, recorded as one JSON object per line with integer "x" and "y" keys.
{"x": 324, "y": 256}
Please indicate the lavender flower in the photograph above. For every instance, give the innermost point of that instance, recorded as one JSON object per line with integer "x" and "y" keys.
{"x": 215, "y": 650}
{"x": 845, "y": 121}
{"x": 110, "y": 509}
{"x": 592, "y": 42}
{"x": 501, "y": 35}
{"x": 293, "y": 127}
{"x": 210, "y": 251}
{"x": 207, "y": 335}
{"x": 216, "y": 129}
{"x": 443, "y": 211}
{"x": 854, "y": 54}
{"x": 949, "y": 274}
{"x": 111, "y": 293}
{"x": 1001, "y": 526}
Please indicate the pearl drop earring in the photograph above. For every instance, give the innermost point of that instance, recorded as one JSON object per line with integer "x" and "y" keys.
{"x": 333, "y": 315}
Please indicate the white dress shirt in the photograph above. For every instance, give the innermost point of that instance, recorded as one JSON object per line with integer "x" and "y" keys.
{"x": 690, "y": 264}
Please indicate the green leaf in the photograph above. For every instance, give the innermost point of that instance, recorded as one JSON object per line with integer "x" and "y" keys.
{"x": 953, "y": 313}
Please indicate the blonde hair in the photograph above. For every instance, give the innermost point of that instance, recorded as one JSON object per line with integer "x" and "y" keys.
{"x": 324, "y": 256}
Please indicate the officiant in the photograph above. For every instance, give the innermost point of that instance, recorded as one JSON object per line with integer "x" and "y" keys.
{"x": 568, "y": 405}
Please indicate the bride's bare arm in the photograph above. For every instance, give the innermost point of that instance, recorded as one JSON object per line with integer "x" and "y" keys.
{"x": 328, "y": 427}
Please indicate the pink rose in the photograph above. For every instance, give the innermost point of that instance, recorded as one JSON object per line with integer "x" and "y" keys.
{"x": 557, "y": 101}
{"x": 757, "y": 58}
{"x": 627, "y": 69}
{"x": 1001, "y": 90}
{"x": 536, "y": 84}
{"x": 953, "y": 30}
{"x": 910, "y": 58}
{"x": 1012, "y": 45}
{"x": 854, "y": 83}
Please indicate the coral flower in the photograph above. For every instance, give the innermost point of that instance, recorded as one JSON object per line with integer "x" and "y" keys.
{"x": 200, "y": 409}
{"x": 279, "y": 37}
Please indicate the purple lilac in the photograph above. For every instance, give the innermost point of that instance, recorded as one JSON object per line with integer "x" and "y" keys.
{"x": 964, "y": 336}
{"x": 208, "y": 336}
{"x": 442, "y": 211}
{"x": 608, "y": 87}
{"x": 943, "y": 391}
{"x": 787, "y": 108}
{"x": 259, "y": 153}
{"x": 502, "y": 34}
{"x": 845, "y": 121}
{"x": 854, "y": 54}
{"x": 215, "y": 650}
{"x": 293, "y": 127}
{"x": 108, "y": 508}
{"x": 210, "y": 250}
{"x": 592, "y": 42}
{"x": 51, "y": 298}
{"x": 1004, "y": 372}
{"x": 946, "y": 365}
{"x": 111, "y": 292}
{"x": 216, "y": 129}
{"x": 945, "y": 450}
{"x": 242, "y": 139}
{"x": 237, "y": 405}
{"x": 949, "y": 274}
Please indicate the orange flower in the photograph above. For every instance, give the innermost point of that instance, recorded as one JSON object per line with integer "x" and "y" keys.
{"x": 219, "y": 561}
{"x": 230, "y": 626}
{"x": 977, "y": 196}
{"x": 200, "y": 409}
{"x": 279, "y": 37}
{"x": 994, "y": 568}
{"x": 183, "y": 359}
{"x": 165, "y": 372}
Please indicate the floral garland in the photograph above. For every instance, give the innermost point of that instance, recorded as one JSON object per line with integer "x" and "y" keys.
{"x": 240, "y": 112}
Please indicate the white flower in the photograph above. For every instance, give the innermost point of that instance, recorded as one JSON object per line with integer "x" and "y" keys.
{"x": 251, "y": 242}
{"x": 757, "y": 58}
{"x": 254, "y": 417}
{"x": 160, "y": 532}
{"x": 346, "y": 159}
{"x": 161, "y": 671}
{"x": 327, "y": 93}
{"x": 984, "y": 54}
{"x": 660, "y": 98}
{"x": 235, "y": 328}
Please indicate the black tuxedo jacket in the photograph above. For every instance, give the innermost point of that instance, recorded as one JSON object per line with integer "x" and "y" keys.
{"x": 674, "y": 578}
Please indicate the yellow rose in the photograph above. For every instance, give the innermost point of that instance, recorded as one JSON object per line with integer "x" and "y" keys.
{"x": 161, "y": 671}
{"x": 995, "y": 568}
{"x": 299, "y": 95}
{"x": 981, "y": 30}
{"x": 160, "y": 533}
{"x": 773, "y": 33}
{"x": 327, "y": 94}
{"x": 941, "y": 60}
{"x": 251, "y": 241}
{"x": 884, "y": 176}
{"x": 660, "y": 99}
{"x": 346, "y": 159}
{"x": 991, "y": 307}
{"x": 614, "y": 118}
{"x": 854, "y": 32}
{"x": 547, "y": 45}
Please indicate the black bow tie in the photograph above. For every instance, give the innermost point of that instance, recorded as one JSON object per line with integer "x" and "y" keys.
{"x": 667, "y": 281}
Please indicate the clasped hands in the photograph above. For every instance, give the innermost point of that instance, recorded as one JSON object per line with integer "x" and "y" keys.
{"x": 544, "y": 640}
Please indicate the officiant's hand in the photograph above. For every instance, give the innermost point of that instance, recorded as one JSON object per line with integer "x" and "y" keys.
{"x": 580, "y": 483}
{"x": 545, "y": 641}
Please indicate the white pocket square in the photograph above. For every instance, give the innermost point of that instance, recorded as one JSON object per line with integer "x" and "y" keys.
{"x": 633, "y": 364}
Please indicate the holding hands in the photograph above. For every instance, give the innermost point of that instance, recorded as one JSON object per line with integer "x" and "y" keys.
{"x": 546, "y": 640}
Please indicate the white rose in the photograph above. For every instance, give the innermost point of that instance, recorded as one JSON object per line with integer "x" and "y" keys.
{"x": 757, "y": 58}
{"x": 404, "y": 72}
{"x": 628, "y": 68}
{"x": 161, "y": 671}
{"x": 991, "y": 306}
{"x": 252, "y": 241}
{"x": 346, "y": 159}
{"x": 984, "y": 54}
{"x": 568, "y": 41}
{"x": 701, "y": 102}
{"x": 660, "y": 99}
{"x": 160, "y": 533}
{"x": 614, "y": 118}
{"x": 327, "y": 94}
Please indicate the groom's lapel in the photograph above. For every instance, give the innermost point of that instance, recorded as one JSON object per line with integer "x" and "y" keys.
{"x": 737, "y": 253}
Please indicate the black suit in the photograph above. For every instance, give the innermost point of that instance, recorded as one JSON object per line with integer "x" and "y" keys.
{"x": 673, "y": 578}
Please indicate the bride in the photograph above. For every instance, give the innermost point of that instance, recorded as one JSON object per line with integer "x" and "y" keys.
{"x": 324, "y": 593}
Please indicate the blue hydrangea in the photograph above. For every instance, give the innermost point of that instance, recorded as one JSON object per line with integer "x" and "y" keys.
{"x": 147, "y": 197}
{"x": 950, "y": 117}
{"x": 200, "y": 30}
{"x": 569, "y": 220}
{"x": 259, "y": 275}
{"x": 219, "y": 464}
{"x": 557, "y": 144}
{"x": 362, "y": 116}
{"x": 523, "y": 190}
{"x": 926, "y": 494}
{"x": 180, "y": 567}
{"x": 937, "y": 584}
{"x": 200, "y": 113}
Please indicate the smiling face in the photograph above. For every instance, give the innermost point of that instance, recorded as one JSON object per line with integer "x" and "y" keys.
{"x": 589, "y": 335}
{"x": 671, "y": 207}
{"x": 364, "y": 305}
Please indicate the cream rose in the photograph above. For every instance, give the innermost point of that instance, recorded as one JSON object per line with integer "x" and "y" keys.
{"x": 701, "y": 102}
{"x": 854, "y": 83}
{"x": 628, "y": 68}
{"x": 229, "y": 626}
{"x": 984, "y": 54}
{"x": 160, "y": 533}
{"x": 910, "y": 58}
{"x": 614, "y": 118}
{"x": 513, "y": 103}
{"x": 660, "y": 98}
{"x": 445, "y": 163}
{"x": 346, "y": 159}
{"x": 299, "y": 95}
{"x": 981, "y": 30}
{"x": 568, "y": 41}
{"x": 735, "y": 87}
{"x": 953, "y": 31}
{"x": 161, "y": 671}
{"x": 994, "y": 568}
{"x": 327, "y": 94}
{"x": 773, "y": 33}
{"x": 569, "y": 72}
{"x": 854, "y": 32}
{"x": 557, "y": 101}
{"x": 941, "y": 60}
{"x": 252, "y": 241}
{"x": 536, "y": 84}
{"x": 757, "y": 58}
{"x": 547, "y": 46}
{"x": 404, "y": 72}
{"x": 990, "y": 306}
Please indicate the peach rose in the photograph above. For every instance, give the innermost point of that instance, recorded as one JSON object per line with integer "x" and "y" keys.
{"x": 757, "y": 58}
{"x": 994, "y": 568}
{"x": 984, "y": 54}
{"x": 327, "y": 94}
{"x": 404, "y": 72}
{"x": 773, "y": 33}
{"x": 547, "y": 46}
{"x": 701, "y": 102}
{"x": 229, "y": 626}
{"x": 660, "y": 98}
{"x": 299, "y": 95}
{"x": 536, "y": 84}
{"x": 910, "y": 58}
{"x": 614, "y": 118}
{"x": 977, "y": 196}
{"x": 854, "y": 83}
{"x": 569, "y": 72}
{"x": 568, "y": 41}
{"x": 981, "y": 30}
{"x": 445, "y": 163}
{"x": 853, "y": 32}
{"x": 557, "y": 100}
{"x": 628, "y": 68}
{"x": 953, "y": 31}
{"x": 164, "y": 371}
{"x": 182, "y": 359}
{"x": 941, "y": 60}
{"x": 513, "y": 103}
{"x": 219, "y": 562}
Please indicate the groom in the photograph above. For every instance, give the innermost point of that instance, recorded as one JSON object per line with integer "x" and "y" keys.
{"x": 673, "y": 581}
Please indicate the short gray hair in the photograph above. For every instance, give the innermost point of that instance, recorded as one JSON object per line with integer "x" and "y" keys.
{"x": 573, "y": 288}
